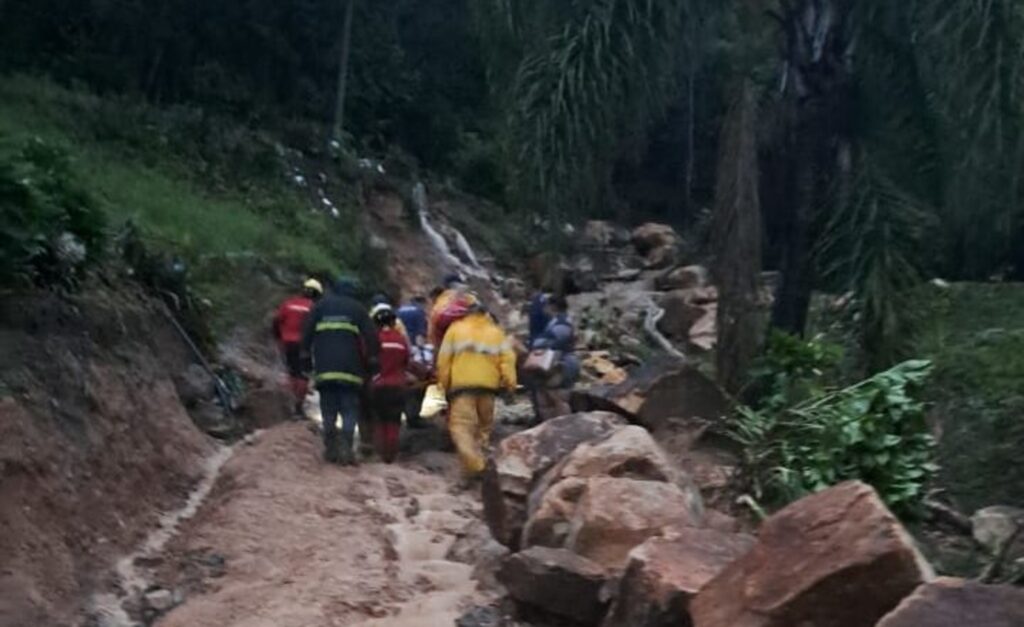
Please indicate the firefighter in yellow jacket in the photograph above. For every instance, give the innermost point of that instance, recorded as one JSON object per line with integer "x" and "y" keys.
{"x": 476, "y": 363}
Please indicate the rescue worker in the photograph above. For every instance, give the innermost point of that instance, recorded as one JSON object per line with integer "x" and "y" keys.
{"x": 383, "y": 299}
{"x": 390, "y": 386}
{"x": 449, "y": 305}
{"x": 343, "y": 342}
{"x": 558, "y": 336}
{"x": 287, "y": 329}
{"x": 538, "y": 316}
{"x": 414, "y": 316}
{"x": 475, "y": 363}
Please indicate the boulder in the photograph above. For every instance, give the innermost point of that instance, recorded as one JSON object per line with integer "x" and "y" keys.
{"x": 956, "y": 603}
{"x": 837, "y": 558}
{"x": 658, "y": 244}
{"x": 629, "y": 452}
{"x": 598, "y": 233}
{"x": 556, "y": 581}
{"x": 652, "y": 236}
{"x": 993, "y": 527}
{"x": 704, "y": 332}
{"x": 660, "y": 258}
{"x": 655, "y": 393}
{"x": 665, "y": 573}
{"x": 521, "y": 459}
{"x": 615, "y": 515}
{"x": 680, "y": 315}
{"x": 551, "y": 515}
{"x": 684, "y": 278}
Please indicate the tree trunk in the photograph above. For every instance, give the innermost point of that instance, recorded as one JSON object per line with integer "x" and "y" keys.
{"x": 346, "y": 47}
{"x": 817, "y": 96}
{"x": 737, "y": 239}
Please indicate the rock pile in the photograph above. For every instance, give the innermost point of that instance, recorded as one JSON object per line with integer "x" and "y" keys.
{"x": 605, "y": 530}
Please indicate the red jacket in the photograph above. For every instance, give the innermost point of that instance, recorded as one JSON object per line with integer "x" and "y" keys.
{"x": 289, "y": 319}
{"x": 394, "y": 359}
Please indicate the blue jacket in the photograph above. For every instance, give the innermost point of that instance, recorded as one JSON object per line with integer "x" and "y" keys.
{"x": 414, "y": 319}
{"x": 539, "y": 318}
{"x": 559, "y": 335}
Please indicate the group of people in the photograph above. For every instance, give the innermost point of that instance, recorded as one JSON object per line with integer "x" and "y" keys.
{"x": 371, "y": 366}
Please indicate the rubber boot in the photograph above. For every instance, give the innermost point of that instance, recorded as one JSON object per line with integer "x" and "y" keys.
{"x": 346, "y": 453}
{"x": 331, "y": 451}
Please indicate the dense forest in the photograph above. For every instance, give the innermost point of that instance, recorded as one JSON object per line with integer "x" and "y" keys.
{"x": 888, "y": 136}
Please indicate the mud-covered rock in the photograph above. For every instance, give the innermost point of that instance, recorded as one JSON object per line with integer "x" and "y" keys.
{"x": 655, "y": 393}
{"x": 957, "y": 603}
{"x": 521, "y": 459}
{"x": 615, "y": 515}
{"x": 684, "y": 278}
{"x": 666, "y": 572}
{"x": 680, "y": 315}
{"x": 836, "y": 558}
{"x": 658, "y": 244}
{"x": 556, "y": 581}
{"x": 629, "y": 452}
{"x": 994, "y": 527}
{"x": 652, "y": 236}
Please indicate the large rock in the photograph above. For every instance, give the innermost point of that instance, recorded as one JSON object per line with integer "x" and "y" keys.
{"x": 658, "y": 244}
{"x": 665, "y": 573}
{"x": 521, "y": 459}
{"x": 837, "y": 558}
{"x": 629, "y": 452}
{"x": 684, "y": 278}
{"x": 680, "y": 315}
{"x": 652, "y": 236}
{"x": 655, "y": 393}
{"x": 556, "y": 581}
{"x": 958, "y": 603}
{"x": 993, "y": 527}
{"x": 615, "y": 515}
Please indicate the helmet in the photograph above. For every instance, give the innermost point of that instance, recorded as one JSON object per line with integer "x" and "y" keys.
{"x": 383, "y": 314}
{"x": 313, "y": 285}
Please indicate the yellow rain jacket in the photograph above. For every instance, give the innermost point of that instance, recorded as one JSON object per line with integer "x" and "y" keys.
{"x": 476, "y": 356}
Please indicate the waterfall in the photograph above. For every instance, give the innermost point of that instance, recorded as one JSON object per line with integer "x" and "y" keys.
{"x": 440, "y": 244}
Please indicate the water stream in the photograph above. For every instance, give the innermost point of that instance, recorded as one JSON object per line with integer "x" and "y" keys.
{"x": 132, "y": 580}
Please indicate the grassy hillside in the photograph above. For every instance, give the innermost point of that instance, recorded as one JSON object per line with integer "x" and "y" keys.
{"x": 975, "y": 335}
{"x": 217, "y": 195}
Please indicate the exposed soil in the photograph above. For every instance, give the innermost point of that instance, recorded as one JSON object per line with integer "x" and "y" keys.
{"x": 306, "y": 544}
{"x": 94, "y": 443}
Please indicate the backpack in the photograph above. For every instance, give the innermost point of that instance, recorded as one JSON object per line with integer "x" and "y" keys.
{"x": 454, "y": 311}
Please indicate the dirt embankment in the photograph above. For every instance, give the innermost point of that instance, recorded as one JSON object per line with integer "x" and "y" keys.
{"x": 94, "y": 443}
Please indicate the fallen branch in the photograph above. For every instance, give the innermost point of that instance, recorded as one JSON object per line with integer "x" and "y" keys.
{"x": 952, "y": 517}
{"x": 994, "y": 570}
{"x": 653, "y": 317}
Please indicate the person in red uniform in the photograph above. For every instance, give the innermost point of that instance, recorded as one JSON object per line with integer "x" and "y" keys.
{"x": 390, "y": 386}
{"x": 288, "y": 325}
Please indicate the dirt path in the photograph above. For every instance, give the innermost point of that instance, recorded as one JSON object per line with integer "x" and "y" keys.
{"x": 305, "y": 544}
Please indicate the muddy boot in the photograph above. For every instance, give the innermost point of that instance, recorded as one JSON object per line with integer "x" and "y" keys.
{"x": 346, "y": 454}
{"x": 331, "y": 451}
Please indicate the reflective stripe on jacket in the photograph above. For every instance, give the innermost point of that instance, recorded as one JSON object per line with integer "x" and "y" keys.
{"x": 476, "y": 356}
{"x": 342, "y": 341}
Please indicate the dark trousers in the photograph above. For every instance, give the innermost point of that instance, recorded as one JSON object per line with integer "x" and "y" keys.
{"x": 340, "y": 400}
{"x": 413, "y": 404}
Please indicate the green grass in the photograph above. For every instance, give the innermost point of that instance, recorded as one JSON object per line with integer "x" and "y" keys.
{"x": 209, "y": 193}
{"x": 975, "y": 335}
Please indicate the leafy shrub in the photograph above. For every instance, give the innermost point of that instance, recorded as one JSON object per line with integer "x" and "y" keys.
{"x": 874, "y": 431}
{"x": 792, "y": 369}
{"x": 48, "y": 224}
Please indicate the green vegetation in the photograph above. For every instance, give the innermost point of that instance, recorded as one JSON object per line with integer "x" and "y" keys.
{"x": 805, "y": 436}
{"x": 975, "y": 335}
{"x": 187, "y": 194}
{"x": 49, "y": 225}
